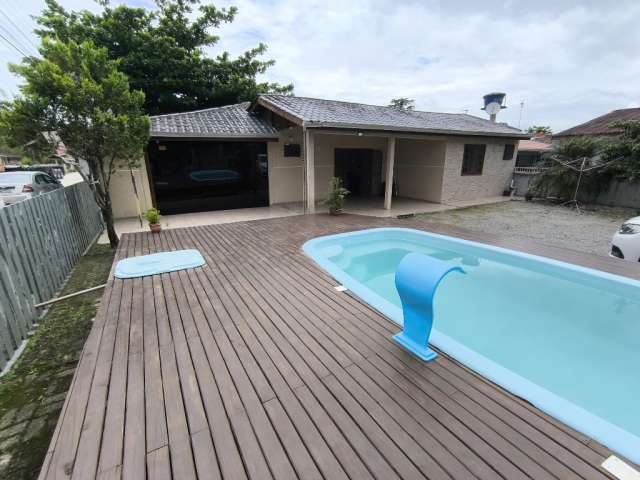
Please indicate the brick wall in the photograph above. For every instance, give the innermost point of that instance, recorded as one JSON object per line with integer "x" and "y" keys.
{"x": 496, "y": 172}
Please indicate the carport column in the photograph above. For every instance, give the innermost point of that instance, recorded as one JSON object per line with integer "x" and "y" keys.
{"x": 391, "y": 158}
{"x": 309, "y": 172}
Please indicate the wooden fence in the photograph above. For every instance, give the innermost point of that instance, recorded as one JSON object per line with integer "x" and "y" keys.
{"x": 41, "y": 239}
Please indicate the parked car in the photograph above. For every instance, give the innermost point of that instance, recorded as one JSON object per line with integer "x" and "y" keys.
{"x": 626, "y": 241}
{"x": 18, "y": 186}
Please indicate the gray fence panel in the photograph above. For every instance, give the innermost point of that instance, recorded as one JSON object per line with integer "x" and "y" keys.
{"x": 42, "y": 239}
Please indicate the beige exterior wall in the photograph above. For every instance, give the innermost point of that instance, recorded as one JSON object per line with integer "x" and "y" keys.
{"x": 123, "y": 198}
{"x": 496, "y": 173}
{"x": 285, "y": 173}
{"x": 419, "y": 167}
{"x": 325, "y": 145}
{"x": 425, "y": 169}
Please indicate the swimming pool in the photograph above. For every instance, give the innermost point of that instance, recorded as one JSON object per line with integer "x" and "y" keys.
{"x": 566, "y": 338}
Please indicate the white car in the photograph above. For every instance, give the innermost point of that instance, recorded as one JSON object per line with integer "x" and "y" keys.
{"x": 20, "y": 185}
{"x": 626, "y": 241}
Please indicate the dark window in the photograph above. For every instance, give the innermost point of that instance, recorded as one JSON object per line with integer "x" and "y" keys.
{"x": 291, "y": 149}
{"x": 200, "y": 176}
{"x": 473, "y": 159}
{"x": 508, "y": 151}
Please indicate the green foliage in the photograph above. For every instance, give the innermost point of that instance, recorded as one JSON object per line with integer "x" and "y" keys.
{"x": 76, "y": 91}
{"x": 560, "y": 181}
{"x": 163, "y": 52}
{"x": 336, "y": 194}
{"x": 152, "y": 215}
{"x": 627, "y": 148}
{"x": 618, "y": 157}
{"x": 539, "y": 129}
{"x": 5, "y": 143}
{"x": 402, "y": 103}
{"x": 26, "y": 161}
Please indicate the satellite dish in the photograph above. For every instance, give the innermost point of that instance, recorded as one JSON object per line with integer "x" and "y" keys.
{"x": 493, "y": 108}
{"x": 493, "y": 103}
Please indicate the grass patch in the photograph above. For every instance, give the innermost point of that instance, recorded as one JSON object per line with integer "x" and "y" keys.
{"x": 32, "y": 392}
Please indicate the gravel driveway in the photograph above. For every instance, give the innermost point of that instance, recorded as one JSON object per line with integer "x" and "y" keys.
{"x": 590, "y": 231}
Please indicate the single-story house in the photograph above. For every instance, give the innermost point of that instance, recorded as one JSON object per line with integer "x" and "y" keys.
{"x": 600, "y": 126}
{"x": 282, "y": 149}
{"x": 529, "y": 163}
{"x": 530, "y": 153}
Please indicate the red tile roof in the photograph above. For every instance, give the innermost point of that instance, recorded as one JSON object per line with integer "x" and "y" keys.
{"x": 601, "y": 125}
{"x": 533, "y": 146}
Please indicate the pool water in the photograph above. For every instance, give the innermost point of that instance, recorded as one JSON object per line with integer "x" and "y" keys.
{"x": 564, "y": 337}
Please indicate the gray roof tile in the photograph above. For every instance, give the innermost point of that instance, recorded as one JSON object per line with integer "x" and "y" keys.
{"x": 316, "y": 112}
{"x": 229, "y": 121}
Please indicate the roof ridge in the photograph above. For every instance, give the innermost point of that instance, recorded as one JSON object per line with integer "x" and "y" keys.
{"x": 199, "y": 111}
{"x": 355, "y": 103}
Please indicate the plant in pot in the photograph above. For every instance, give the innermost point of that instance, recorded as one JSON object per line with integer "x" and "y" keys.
{"x": 335, "y": 197}
{"x": 153, "y": 217}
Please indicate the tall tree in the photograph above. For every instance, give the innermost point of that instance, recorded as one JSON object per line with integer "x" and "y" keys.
{"x": 402, "y": 103}
{"x": 163, "y": 52}
{"x": 76, "y": 91}
{"x": 539, "y": 129}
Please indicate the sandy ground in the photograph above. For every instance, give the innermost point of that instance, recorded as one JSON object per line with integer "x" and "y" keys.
{"x": 589, "y": 231}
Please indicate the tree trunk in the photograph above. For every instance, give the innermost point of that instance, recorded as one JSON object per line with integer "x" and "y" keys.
{"x": 107, "y": 215}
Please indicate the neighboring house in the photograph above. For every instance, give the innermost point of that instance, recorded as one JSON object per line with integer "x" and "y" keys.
{"x": 282, "y": 149}
{"x": 8, "y": 159}
{"x": 530, "y": 154}
{"x": 529, "y": 163}
{"x": 599, "y": 126}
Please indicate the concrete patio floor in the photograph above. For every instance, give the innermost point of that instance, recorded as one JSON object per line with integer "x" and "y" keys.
{"x": 370, "y": 207}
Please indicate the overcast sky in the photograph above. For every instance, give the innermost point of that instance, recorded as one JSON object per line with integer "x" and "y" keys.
{"x": 568, "y": 61}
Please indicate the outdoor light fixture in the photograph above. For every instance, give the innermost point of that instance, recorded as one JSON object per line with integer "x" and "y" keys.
{"x": 360, "y": 134}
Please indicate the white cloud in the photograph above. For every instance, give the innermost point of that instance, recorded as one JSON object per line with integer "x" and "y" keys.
{"x": 568, "y": 62}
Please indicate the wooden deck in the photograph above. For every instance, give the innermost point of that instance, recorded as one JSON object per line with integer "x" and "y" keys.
{"x": 255, "y": 367}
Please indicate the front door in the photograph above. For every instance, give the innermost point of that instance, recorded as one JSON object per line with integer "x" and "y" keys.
{"x": 360, "y": 170}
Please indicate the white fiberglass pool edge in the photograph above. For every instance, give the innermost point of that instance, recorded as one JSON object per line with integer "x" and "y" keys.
{"x": 610, "y": 435}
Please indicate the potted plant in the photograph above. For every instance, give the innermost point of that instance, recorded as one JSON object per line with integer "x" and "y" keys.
{"x": 335, "y": 197}
{"x": 153, "y": 217}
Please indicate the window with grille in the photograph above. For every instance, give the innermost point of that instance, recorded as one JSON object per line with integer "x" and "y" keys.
{"x": 473, "y": 159}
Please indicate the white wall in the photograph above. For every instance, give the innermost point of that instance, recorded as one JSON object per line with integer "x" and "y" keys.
{"x": 123, "y": 199}
{"x": 496, "y": 173}
{"x": 419, "y": 166}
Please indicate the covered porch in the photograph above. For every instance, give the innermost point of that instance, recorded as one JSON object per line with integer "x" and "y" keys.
{"x": 378, "y": 168}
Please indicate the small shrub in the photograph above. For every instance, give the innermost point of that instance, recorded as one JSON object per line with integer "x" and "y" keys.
{"x": 336, "y": 194}
{"x": 152, "y": 215}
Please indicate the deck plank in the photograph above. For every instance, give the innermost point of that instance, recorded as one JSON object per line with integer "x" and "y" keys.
{"x": 254, "y": 367}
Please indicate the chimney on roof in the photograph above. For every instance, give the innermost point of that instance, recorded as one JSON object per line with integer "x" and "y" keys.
{"x": 493, "y": 103}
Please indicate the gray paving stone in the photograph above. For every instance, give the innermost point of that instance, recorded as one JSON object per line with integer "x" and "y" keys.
{"x": 34, "y": 428}
{"x": 8, "y": 418}
{"x": 13, "y": 430}
{"x": 55, "y": 398}
{"x": 8, "y": 442}
{"x": 26, "y": 412}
